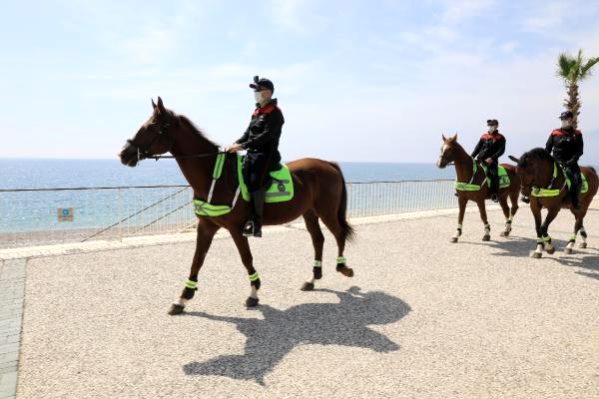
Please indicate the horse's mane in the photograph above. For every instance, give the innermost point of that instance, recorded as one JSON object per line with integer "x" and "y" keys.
{"x": 189, "y": 124}
{"x": 535, "y": 153}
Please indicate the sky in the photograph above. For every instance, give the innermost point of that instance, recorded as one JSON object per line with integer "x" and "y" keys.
{"x": 376, "y": 81}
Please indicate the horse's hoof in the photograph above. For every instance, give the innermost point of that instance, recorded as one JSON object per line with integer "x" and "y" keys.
{"x": 505, "y": 233}
{"x": 486, "y": 238}
{"x": 583, "y": 245}
{"x": 568, "y": 250}
{"x": 346, "y": 271}
{"x": 537, "y": 255}
{"x": 308, "y": 286}
{"x": 454, "y": 239}
{"x": 176, "y": 309}
{"x": 551, "y": 250}
{"x": 251, "y": 302}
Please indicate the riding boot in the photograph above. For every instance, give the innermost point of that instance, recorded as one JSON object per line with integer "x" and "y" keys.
{"x": 494, "y": 189}
{"x": 254, "y": 226}
{"x": 575, "y": 194}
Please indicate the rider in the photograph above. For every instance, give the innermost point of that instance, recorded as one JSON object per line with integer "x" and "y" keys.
{"x": 261, "y": 140}
{"x": 567, "y": 147}
{"x": 488, "y": 150}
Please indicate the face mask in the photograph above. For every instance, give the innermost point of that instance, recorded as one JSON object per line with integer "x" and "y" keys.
{"x": 492, "y": 129}
{"x": 566, "y": 123}
{"x": 258, "y": 97}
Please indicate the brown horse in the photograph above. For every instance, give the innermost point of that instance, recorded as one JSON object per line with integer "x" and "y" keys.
{"x": 474, "y": 186}
{"x": 320, "y": 194}
{"x": 544, "y": 182}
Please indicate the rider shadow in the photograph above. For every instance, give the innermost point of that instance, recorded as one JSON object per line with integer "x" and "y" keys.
{"x": 269, "y": 340}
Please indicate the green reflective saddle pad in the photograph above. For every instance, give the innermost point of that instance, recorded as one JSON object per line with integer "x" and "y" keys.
{"x": 504, "y": 179}
{"x": 280, "y": 188}
{"x": 554, "y": 192}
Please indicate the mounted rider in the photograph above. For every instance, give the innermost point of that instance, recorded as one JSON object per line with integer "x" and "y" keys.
{"x": 261, "y": 140}
{"x": 488, "y": 150}
{"x": 567, "y": 146}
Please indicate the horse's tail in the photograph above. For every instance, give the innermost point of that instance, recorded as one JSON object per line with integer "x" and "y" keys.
{"x": 347, "y": 231}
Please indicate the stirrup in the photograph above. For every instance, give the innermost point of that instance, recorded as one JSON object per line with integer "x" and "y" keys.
{"x": 251, "y": 229}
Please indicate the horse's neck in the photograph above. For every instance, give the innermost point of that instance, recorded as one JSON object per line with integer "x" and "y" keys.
{"x": 463, "y": 165}
{"x": 197, "y": 171}
{"x": 547, "y": 178}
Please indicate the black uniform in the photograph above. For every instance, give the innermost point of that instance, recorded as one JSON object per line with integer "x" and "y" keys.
{"x": 490, "y": 145}
{"x": 261, "y": 140}
{"x": 567, "y": 146}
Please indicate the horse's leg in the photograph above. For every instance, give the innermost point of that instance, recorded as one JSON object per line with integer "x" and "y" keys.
{"x": 247, "y": 259}
{"x": 313, "y": 227}
{"x": 483, "y": 217}
{"x": 508, "y": 219}
{"x": 535, "y": 208}
{"x": 462, "y": 202}
{"x": 577, "y": 227}
{"x": 551, "y": 214}
{"x": 330, "y": 220}
{"x": 206, "y": 231}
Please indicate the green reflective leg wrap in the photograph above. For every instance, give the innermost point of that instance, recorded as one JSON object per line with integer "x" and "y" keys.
{"x": 547, "y": 239}
{"x": 317, "y": 263}
{"x": 255, "y": 280}
{"x": 540, "y": 241}
{"x": 341, "y": 260}
{"x": 573, "y": 238}
{"x": 191, "y": 284}
{"x": 509, "y": 221}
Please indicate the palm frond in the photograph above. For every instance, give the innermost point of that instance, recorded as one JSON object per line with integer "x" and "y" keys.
{"x": 565, "y": 66}
{"x": 585, "y": 70}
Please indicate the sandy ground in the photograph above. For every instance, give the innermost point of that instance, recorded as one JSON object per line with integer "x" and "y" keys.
{"x": 422, "y": 318}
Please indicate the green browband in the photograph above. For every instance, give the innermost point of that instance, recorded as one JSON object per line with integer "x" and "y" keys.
{"x": 254, "y": 277}
{"x": 191, "y": 284}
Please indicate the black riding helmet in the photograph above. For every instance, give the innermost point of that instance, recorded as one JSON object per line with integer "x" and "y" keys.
{"x": 492, "y": 122}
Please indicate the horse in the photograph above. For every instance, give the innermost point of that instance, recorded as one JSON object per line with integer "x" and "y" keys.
{"x": 320, "y": 193}
{"x": 471, "y": 186}
{"x": 545, "y": 183}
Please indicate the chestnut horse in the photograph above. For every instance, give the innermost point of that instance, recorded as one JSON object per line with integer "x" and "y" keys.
{"x": 320, "y": 194}
{"x": 544, "y": 182}
{"x": 475, "y": 187}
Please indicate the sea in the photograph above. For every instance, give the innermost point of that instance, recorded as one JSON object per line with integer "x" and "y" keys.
{"x": 39, "y": 211}
{"x": 68, "y": 173}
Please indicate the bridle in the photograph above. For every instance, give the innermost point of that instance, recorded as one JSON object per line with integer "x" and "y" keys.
{"x": 142, "y": 151}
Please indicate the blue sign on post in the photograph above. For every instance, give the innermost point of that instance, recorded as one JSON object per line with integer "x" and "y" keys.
{"x": 66, "y": 214}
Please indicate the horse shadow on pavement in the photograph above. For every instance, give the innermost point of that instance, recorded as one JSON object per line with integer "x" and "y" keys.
{"x": 269, "y": 340}
{"x": 516, "y": 246}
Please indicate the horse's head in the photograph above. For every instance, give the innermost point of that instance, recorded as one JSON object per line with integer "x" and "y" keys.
{"x": 448, "y": 151}
{"x": 533, "y": 167}
{"x": 152, "y": 138}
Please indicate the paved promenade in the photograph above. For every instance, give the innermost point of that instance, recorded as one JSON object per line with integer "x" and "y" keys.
{"x": 422, "y": 318}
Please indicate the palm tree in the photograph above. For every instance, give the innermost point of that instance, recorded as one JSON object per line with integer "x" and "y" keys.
{"x": 574, "y": 70}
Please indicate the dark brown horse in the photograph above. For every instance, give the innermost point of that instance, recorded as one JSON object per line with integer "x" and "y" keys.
{"x": 474, "y": 186}
{"x": 320, "y": 194}
{"x": 544, "y": 182}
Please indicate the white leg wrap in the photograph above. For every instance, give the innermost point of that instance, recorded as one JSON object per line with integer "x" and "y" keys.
{"x": 182, "y": 302}
{"x": 254, "y": 292}
{"x": 539, "y": 248}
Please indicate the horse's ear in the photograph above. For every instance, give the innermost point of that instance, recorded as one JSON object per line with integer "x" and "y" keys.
{"x": 153, "y": 104}
{"x": 160, "y": 105}
{"x": 443, "y": 137}
{"x": 455, "y": 138}
{"x": 513, "y": 158}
